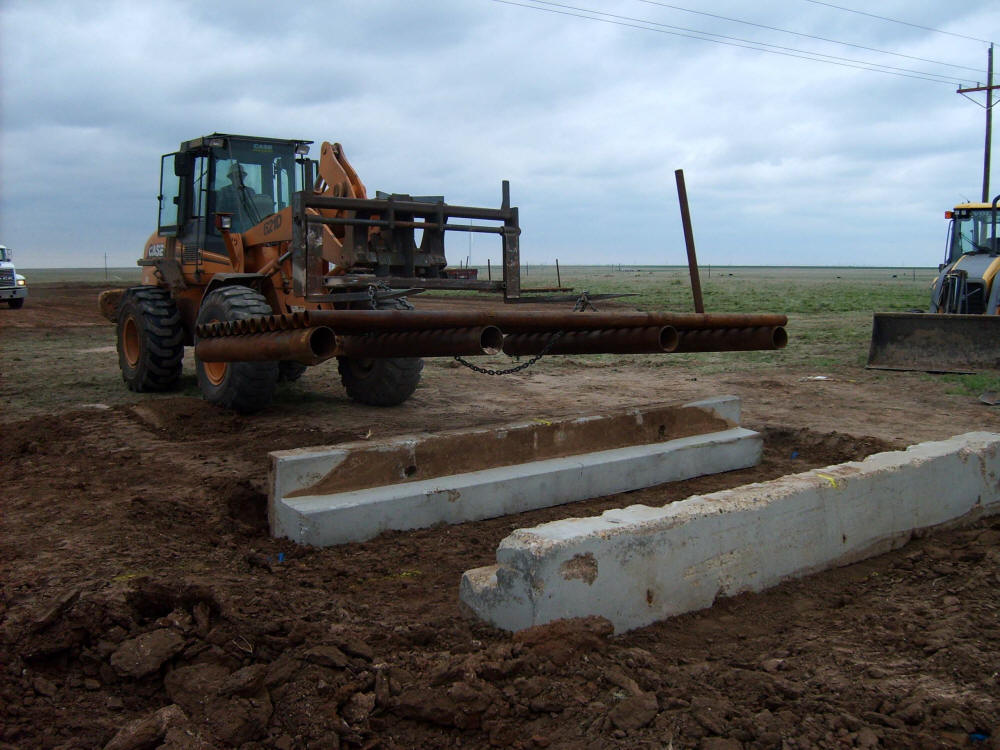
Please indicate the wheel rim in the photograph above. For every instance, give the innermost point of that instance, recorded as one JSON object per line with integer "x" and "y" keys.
{"x": 130, "y": 342}
{"x": 215, "y": 371}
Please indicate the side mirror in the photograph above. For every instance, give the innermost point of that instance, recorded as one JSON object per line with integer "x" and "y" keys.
{"x": 183, "y": 164}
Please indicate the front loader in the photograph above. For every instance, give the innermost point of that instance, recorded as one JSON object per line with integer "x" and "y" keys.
{"x": 960, "y": 332}
{"x": 266, "y": 261}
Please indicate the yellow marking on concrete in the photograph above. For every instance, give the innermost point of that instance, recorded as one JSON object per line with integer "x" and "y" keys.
{"x": 827, "y": 477}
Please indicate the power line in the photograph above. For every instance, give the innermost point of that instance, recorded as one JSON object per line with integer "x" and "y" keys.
{"x": 896, "y": 20}
{"x": 647, "y": 25}
{"x": 804, "y": 35}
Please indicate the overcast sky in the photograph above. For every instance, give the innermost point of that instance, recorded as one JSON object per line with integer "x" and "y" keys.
{"x": 788, "y": 161}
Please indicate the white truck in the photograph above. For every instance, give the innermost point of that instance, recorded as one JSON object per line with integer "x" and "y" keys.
{"x": 13, "y": 286}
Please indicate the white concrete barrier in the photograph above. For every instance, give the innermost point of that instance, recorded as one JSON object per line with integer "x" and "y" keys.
{"x": 315, "y": 498}
{"x": 638, "y": 565}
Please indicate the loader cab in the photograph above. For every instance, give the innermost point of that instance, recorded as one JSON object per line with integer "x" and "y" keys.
{"x": 971, "y": 231}
{"x": 249, "y": 178}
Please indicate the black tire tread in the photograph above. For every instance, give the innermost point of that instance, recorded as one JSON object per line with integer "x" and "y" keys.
{"x": 248, "y": 386}
{"x": 161, "y": 339}
{"x": 290, "y": 371}
{"x": 390, "y": 381}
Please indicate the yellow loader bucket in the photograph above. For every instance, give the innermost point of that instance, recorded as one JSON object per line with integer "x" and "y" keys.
{"x": 928, "y": 342}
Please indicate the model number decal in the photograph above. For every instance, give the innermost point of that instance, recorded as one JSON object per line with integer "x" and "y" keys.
{"x": 270, "y": 224}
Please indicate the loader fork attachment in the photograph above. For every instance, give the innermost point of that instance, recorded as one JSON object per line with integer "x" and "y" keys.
{"x": 383, "y": 230}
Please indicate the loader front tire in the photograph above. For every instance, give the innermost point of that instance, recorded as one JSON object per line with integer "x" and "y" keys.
{"x": 150, "y": 339}
{"x": 246, "y": 387}
{"x": 380, "y": 382}
{"x": 385, "y": 381}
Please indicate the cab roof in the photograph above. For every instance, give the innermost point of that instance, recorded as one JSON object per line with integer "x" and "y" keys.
{"x": 204, "y": 142}
{"x": 972, "y": 206}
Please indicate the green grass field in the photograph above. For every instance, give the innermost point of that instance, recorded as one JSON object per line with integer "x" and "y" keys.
{"x": 829, "y": 310}
{"x": 111, "y": 277}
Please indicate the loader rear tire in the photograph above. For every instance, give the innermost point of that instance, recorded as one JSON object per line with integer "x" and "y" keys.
{"x": 289, "y": 371}
{"x": 380, "y": 382}
{"x": 150, "y": 339}
{"x": 246, "y": 387}
{"x": 385, "y": 381}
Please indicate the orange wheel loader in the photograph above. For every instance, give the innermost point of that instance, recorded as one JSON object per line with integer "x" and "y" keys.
{"x": 266, "y": 261}
{"x": 252, "y": 227}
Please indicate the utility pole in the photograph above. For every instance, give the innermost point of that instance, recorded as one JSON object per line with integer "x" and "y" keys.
{"x": 988, "y": 88}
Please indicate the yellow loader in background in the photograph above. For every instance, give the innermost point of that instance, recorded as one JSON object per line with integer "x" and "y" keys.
{"x": 960, "y": 332}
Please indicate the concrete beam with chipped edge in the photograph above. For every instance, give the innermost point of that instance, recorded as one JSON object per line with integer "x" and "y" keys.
{"x": 291, "y": 471}
{"x": 639, "y": 564}
{"x": 355, "y": 516}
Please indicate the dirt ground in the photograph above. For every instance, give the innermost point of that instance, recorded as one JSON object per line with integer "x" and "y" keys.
{"x": 143, "y": 604}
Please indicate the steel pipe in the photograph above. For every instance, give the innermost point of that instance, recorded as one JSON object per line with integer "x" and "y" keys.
{"x": 519, "y": 321}
{"x": 449, "y": 342}
{"x": 509, "y": 321}
{"x": 648, "y": 340}
{"x": 733, "y": 339}
{"x": 309, "y": 346}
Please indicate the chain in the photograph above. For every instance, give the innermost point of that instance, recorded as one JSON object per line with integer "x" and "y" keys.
{"x": 516, "y": 368}
{"x": 581, "y": 305}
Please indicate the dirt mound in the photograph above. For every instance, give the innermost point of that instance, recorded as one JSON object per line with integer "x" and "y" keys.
{"x": 42, "y": 436}
{"x": 795, "y": 449}
{"x": 143, "y": 605}
{"x": 157, "y": 661}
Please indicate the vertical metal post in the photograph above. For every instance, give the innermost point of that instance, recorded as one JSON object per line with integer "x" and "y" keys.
{"x": 558, "y": 279}
{"x": 989, "y": 125}
{"x": 699, "y": 305}
{"x": 988, "y": 88}
{"x": 511, "y": 247}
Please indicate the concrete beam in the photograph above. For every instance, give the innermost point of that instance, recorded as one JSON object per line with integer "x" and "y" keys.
{"x": 310, "y": 502}
{"x": 638, "y": 565}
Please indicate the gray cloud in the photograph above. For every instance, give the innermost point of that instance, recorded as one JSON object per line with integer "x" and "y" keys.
{"x": 787, "y": 161}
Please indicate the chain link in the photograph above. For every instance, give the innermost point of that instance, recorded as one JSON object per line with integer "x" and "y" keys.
{"x": 581, "y": 305}
{"x": 516, "y": 368}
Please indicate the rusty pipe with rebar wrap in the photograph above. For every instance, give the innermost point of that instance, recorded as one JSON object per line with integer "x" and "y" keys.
{"x": 648, "y": 340}
{"x": 760, "y": 338}
{"x": 515, "y": 321}
{"x": 308, "y": 346}
{"x": 508, "y": 321}
{"x": 448, "y": 342}
{"x": 370, "y": 334}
